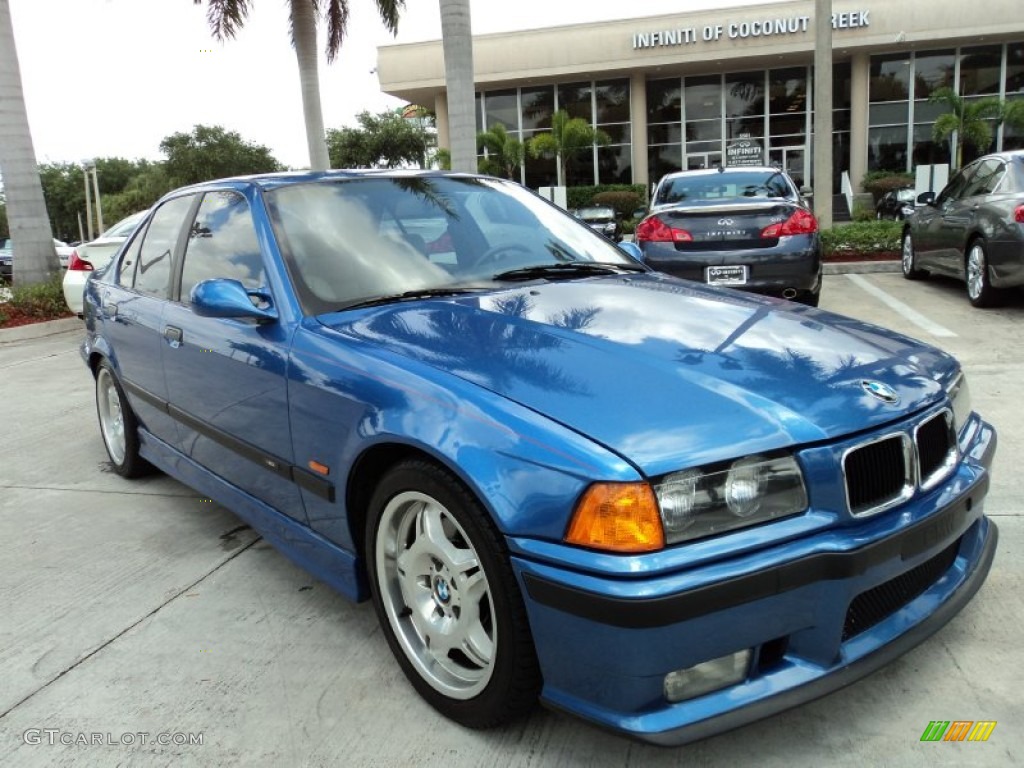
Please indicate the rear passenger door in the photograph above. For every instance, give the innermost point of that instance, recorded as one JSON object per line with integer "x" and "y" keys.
{"x": 133, "y": 310}
{"x": 226, "y": 377}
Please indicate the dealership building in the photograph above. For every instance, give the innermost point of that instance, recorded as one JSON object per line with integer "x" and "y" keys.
{"x": 728, "y": 86}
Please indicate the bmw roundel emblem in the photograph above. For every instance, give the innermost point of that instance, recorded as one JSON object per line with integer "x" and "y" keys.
{"x": 880, "y": 391}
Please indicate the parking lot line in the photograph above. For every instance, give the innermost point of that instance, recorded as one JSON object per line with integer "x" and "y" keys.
{"x": 895, "y": 304}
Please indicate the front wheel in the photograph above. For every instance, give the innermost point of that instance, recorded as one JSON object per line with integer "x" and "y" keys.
{"x": 118, "y": 426}
{"x": 980, "y": 290}
{"x": 446, "y": 597}
{"x": 909, "y": 259}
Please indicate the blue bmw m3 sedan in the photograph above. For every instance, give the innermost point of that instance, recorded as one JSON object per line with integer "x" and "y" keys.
{"x": 666, "y": 507}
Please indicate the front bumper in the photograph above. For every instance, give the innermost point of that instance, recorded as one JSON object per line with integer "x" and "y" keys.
{"x": 606, "y": 645}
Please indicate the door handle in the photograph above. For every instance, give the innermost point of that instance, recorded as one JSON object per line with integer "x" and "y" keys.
{"x": 173, "y": 335}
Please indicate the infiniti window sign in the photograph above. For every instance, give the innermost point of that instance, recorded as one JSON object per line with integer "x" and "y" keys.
{"x": 741, "y": 30}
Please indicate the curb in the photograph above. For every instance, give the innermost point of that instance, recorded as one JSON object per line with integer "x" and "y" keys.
{"x": 861, "y": 267}
{"x": 39, "y": 330}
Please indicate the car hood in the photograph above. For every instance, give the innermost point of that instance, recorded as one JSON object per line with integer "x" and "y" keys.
{"x": 665, "y": 372}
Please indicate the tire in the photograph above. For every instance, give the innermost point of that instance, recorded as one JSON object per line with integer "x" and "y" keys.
{"x": 446, "y": 597}
{"x": 118, "y": 426}
{"x": 979, "y": 284}
{"x": 908, "y": 259}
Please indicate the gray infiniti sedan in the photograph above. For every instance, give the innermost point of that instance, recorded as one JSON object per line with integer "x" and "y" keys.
{"x": 973, "y": 230}
{"x": 741, "y": 227}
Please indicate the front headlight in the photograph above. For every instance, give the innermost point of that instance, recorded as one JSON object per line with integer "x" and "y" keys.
{"x": 703, "y": 502}
{"x": 960, "y": 400}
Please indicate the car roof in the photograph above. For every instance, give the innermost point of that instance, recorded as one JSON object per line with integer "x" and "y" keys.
{"x": 726, "y": 169}
{"x": 283, "y": 178}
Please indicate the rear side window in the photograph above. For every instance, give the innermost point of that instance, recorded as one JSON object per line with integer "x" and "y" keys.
{"x": 153, "y": 275}
{"x": 986, "y": 178}
{"x": 222, "y": 243}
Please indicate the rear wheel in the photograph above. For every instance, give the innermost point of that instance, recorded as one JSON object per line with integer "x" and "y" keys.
{"x": 118, "y": 425}
{"x": 446, "y": 597}
{"x": 909, "y": 259}
{"x": 979, "y": 286}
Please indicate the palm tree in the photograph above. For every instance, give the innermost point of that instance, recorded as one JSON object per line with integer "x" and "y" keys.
{"x": 457, "y": 44}
{"x": 27, "y": 219}
{"x": 226, "y": 17}
{"x": 504, "y": 152}
{"x": 971, "y": 119}
{"x": 568, "y": 137}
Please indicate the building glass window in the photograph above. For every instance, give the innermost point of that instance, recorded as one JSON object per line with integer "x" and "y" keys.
{"x": 933, "y": 70}
{"x": 662, "y": 160}
{"x": 890, "y": 78}
{"x": 614, "y": 165}
{"x": 744, "y": 95}
{"x": 502, "y": 108}
{"x": 980, "y": 70}
{"x": 664, "y": 101}
{"x": 704, "y": 98}
{"x": 611, "y": 100}
{"x": 574, "y": 98}
{"x": 1014, "y": 68}
{"x": 887, "y": 148}
{"x": 538, "y": 106}
{"x": 539, "y": 172}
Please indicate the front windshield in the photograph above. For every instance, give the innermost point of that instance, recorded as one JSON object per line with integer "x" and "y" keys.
{"x": 347, "y": 241}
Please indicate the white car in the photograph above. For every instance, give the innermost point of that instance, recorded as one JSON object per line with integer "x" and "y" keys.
{"x": 64, "y": 252}
{"x": 95, "y": 255}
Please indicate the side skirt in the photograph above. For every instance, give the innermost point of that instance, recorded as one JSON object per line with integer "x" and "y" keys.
{"x": 313, "y": 553}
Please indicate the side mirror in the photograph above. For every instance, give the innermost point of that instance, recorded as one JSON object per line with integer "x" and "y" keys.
{"x": 807, "y": 192}
{"x": 228, "y": 298}
{"x": 633, "y": 250}
{"x": 926, "y": 198}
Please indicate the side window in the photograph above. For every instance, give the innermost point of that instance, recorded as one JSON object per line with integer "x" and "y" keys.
{"x": 954, "y": 190}
{"x": 126, "y": 271}
{"x": 153, "y": 274}
{"x": 222, "y": 244}
{"x": 984, "y": 181}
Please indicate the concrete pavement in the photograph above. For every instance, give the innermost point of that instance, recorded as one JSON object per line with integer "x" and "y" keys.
{"x": 132, "y": 611}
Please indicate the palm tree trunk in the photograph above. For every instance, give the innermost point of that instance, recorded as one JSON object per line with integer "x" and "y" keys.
{"x": 29, "y": 224}
{"x": 457, "y": 42}
{"x": 304, "y": 37}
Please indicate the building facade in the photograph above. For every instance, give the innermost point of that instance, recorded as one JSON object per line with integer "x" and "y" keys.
{"x": 735, "y": 85}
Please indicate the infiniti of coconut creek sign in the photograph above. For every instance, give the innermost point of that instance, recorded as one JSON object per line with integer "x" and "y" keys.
{"x": 741, "y": 30}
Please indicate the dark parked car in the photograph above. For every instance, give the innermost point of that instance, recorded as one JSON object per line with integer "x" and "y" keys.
{"x": 665, "y": 507}
{"x": 896, "y": 204}
{"x": 973, "y": 230}
{"x": 602, "y": 219}
{"x": 745, "y": 228}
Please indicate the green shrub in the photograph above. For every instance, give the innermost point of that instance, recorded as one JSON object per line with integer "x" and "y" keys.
{"x": 880, "y": 182}
{"x": 580, "y": 197}
{"x": 862, "y": 237}
{"x": 862, "y": 212}
{"x": 42, "y": 300}
{"x": 624, "y": 202}
{"x": 629, "y": 226}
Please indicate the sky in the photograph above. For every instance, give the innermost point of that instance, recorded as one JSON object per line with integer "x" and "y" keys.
{"x": 107, "y": 78}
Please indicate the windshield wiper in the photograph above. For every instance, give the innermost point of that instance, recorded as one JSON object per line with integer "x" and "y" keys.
{"x": 568, "y": 269}
{"x": 418, "y": 293}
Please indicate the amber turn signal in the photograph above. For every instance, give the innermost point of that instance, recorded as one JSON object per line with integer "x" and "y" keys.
{"x": 617, "y": 517}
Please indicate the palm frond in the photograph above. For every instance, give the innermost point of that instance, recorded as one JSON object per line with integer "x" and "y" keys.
{"x": 336, "y": 14}
{"x": 945, "y": 125}
{"x": 225, "y": 17}
{"x": 389, "y": 10}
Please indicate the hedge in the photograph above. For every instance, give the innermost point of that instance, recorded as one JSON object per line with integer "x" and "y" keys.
{"x": 862, "y": 237}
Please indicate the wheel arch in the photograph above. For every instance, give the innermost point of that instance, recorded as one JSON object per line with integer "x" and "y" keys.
{"x": 367, "y": 471}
